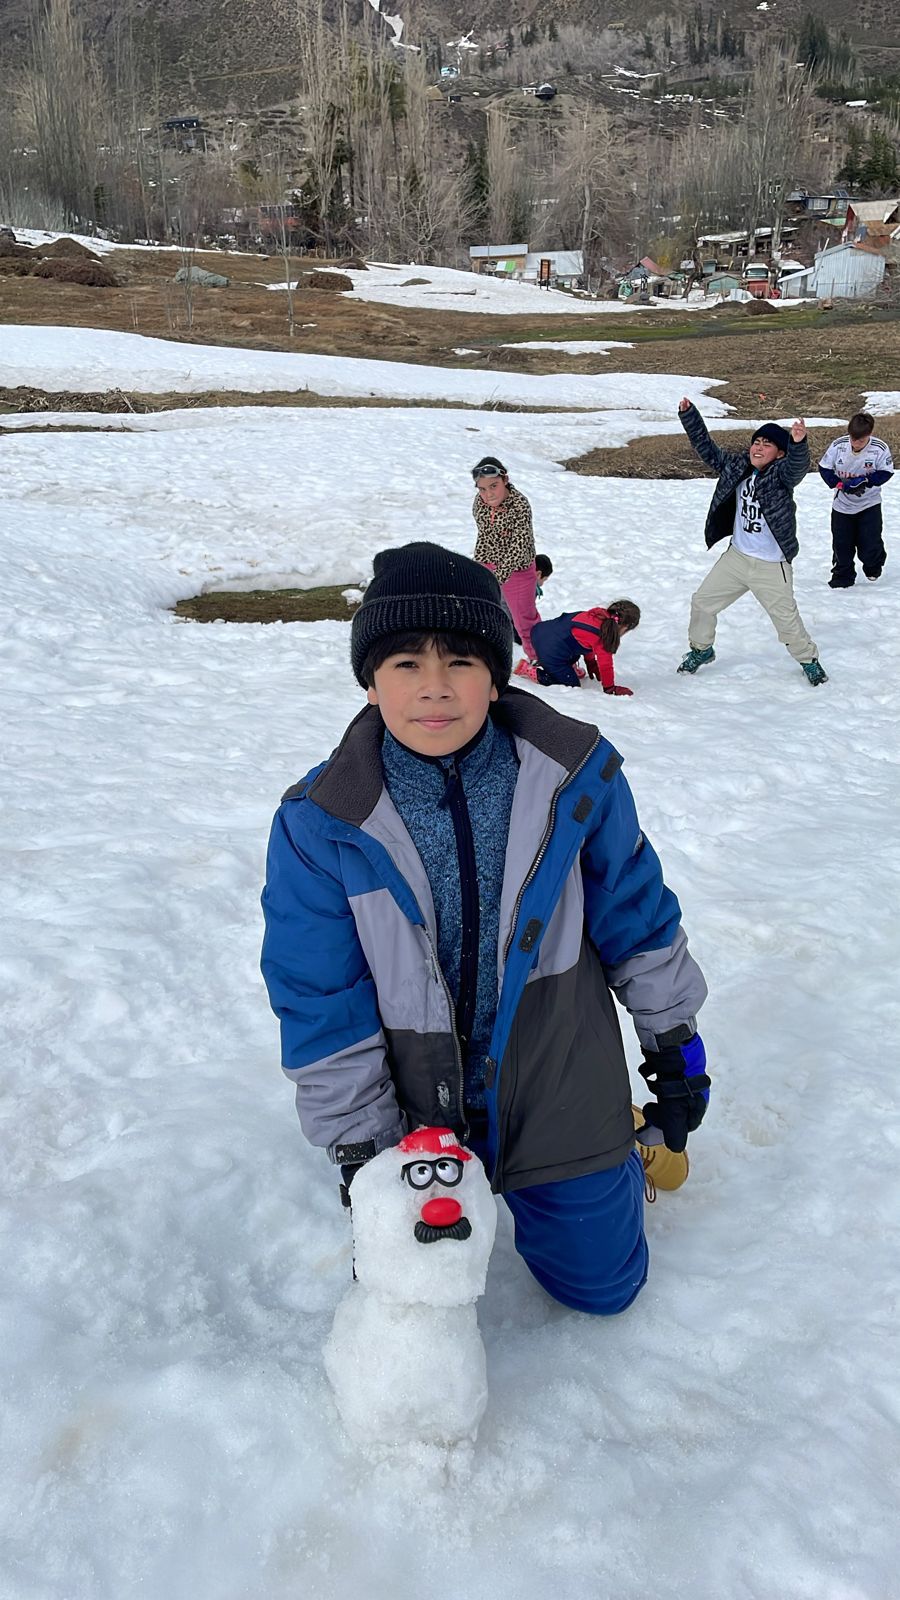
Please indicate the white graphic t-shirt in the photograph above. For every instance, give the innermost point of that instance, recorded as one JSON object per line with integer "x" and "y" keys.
{"x": 752, "y": 534}
{"x": 846, "y": 462}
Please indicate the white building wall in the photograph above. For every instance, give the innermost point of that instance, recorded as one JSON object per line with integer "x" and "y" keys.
{"x": 846, "y": 274}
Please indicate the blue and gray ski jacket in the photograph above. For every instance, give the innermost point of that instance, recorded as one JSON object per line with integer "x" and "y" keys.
{"x": 367, "y": 1020}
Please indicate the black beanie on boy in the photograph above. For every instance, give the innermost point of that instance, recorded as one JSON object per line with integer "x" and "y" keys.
{"x": 422, "y": 587}
{"x": 775, "y": 434}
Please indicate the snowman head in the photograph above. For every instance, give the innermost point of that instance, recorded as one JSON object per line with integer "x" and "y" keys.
{"x": 423, "y": 1222}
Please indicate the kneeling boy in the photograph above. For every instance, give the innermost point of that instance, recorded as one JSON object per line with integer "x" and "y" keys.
{"x": 451, "y": 901}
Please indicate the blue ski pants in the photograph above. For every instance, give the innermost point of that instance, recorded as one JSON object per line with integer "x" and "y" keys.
{"x": 583, "y": 1238}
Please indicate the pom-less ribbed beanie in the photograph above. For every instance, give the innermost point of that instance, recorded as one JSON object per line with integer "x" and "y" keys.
{"x": 775, "y": 433}
{"x": 424, "y": 588}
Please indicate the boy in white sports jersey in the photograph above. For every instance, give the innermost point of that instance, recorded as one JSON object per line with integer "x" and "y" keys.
{"x": 855, "y": 466}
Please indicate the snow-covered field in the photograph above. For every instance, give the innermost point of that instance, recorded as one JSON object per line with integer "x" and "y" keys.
{"x": 94, "y": 360}
{"x": 173, "y": 1251}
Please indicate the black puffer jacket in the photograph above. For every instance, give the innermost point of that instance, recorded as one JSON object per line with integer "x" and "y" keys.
{"x": 775, "y": 487}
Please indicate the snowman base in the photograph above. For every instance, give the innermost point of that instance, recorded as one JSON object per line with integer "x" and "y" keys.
{"x": 406, "y": 1374}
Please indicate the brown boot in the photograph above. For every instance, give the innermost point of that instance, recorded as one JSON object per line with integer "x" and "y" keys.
{"x": 663, "y": 1169}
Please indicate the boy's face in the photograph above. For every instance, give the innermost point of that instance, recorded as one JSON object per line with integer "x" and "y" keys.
{"x": 857, "y": 445}
{"x": 433, "y": 704}
{"x": 763, "y": 452}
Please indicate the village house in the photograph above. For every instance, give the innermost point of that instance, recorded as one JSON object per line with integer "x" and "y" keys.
{"x": 565, "y": 271}
{"x": 868, "y": 216}
{"x": 499, "y": 260}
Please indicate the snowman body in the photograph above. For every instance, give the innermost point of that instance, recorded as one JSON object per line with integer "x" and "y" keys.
{"x": 405, "y": 1357}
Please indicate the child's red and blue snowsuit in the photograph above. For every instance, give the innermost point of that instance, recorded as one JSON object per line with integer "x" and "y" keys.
{"x": 560, "y": 642}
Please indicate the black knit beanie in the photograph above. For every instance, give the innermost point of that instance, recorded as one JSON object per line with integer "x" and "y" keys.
{"x": 424, "y": 588}
{"x": 775, "y": 435}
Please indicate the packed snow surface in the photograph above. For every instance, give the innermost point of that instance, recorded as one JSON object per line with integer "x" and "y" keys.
{"x": 93, "y": 360}
{"x": 173, "y": 1252}
{"x": 448, "y": 289}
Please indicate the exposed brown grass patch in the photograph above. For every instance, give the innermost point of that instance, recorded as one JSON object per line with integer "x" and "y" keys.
{"x": 268, "y": 605}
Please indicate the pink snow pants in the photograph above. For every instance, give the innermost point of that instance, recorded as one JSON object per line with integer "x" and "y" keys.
{"x": 518, "y": 592}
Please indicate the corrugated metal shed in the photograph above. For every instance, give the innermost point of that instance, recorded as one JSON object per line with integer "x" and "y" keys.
{"x": 845, "y": 272}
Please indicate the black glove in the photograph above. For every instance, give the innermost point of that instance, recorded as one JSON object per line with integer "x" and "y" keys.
{"x": 350, "y": 1157}
{"x": 677, "y": 1075}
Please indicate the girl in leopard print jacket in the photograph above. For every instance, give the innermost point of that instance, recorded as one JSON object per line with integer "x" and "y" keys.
{"x": 505, "y": 543}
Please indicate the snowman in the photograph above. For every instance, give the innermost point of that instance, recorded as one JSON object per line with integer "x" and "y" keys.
{"x": 404, "y": 1356}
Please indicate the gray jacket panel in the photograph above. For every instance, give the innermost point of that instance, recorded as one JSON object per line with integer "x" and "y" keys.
{"x": 660, "y": 988}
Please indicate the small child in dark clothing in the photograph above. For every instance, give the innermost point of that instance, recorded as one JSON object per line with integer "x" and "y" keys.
{"x": 594, "y": 634}
{"x": 544, "y": 571}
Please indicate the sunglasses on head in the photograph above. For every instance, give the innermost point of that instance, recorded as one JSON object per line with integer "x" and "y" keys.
{"x": 488, "y": 471}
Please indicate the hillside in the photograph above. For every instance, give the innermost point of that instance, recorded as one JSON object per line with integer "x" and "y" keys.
{"x": 242, "y": 53}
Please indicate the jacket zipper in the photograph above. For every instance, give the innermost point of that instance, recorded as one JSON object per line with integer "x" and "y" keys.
{"x": 542, "y": 850}
{"x": 439, "y": 978}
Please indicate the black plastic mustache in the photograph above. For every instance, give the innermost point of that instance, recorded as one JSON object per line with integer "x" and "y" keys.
{"x": 426, "y": 1233}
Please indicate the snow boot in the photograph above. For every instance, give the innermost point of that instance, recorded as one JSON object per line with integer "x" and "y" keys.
{"x": 697, "y": 658}
{"x": 526, "y": 669}
{"x": 814, "y": 672}
{"x": 663, "y": 1169}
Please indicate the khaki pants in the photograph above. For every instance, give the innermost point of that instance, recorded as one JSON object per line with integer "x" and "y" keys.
{"x": 770, "y": 582}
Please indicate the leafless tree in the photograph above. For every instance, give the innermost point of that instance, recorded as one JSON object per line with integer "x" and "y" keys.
{"x": 771, "y": 137}
{"x": 510, "y": 184}
{"x": 324, "y": 75}
{"x": 65, "y": 93}
{"x": 583, "y": 179}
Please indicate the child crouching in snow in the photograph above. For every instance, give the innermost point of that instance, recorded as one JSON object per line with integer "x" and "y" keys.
{"x": 452, "y": 900}
{"x": 595, "y": 634}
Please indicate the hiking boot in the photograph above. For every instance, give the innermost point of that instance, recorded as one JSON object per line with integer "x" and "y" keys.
{"x": 526, "y": 669}
{"x": 697, "y": 658}
{"x": 663, "y": 1169}
{"x": 814, "y": 672}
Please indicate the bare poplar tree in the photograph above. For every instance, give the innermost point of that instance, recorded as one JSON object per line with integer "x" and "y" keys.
{"x": 583, "y": 179}
{"x": 323, "y": 73}
{"x": 65, "y": 92}
{"x": 772, "y": 136}
{"x": 509, "y": 187}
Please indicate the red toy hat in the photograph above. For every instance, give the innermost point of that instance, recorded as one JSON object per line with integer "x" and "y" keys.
{"x": 433, "y": 1142}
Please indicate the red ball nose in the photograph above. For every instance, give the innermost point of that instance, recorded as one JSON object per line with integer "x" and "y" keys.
{"x": 441, "y": 1213}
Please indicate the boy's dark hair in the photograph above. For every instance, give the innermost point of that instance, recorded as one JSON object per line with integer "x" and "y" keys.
{"x": 622, "y": 614}
{"x": 544, "y": 566}
{"x": 861, "y": 425}
{"x": 446, "y": 644}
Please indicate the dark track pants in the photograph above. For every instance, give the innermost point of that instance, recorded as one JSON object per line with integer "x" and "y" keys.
{"x": 856, "y": 536}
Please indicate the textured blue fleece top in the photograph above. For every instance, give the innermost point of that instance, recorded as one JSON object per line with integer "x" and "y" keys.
{"x": 416, "y": 785}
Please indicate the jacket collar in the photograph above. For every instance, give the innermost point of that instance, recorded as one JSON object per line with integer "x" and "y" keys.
{"x": 350, "y": 784}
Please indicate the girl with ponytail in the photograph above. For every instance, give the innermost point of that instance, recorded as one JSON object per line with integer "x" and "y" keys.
{"x": 594, "y": 634}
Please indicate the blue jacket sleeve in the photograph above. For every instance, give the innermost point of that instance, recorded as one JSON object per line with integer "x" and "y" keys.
{"x": 634, "y": 922}
{"x": 323, "y": 993}
{"x": 831, "y": 478}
